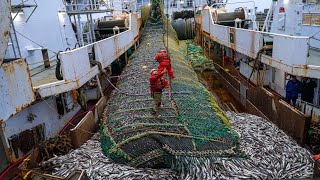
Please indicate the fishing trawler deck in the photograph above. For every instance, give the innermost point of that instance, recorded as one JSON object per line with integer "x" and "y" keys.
{"x": 41, "y": 75}
{"x": 96, "y": 121}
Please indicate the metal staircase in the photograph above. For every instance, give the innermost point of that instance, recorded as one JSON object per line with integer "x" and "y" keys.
{"x": 269, "y": 19}
{"x": 14, "y": 41}
{"x": 16, "y": 8}
{"x": 90, "y": 6}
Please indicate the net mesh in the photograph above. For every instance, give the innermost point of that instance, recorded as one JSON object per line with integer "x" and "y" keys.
{"x": 198, "y": 60}
{"x": 190, "y": 123}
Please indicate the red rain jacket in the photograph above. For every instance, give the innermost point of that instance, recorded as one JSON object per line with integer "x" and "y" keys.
{"x": 158, "y": 83}
{"x": 163, "y": 57}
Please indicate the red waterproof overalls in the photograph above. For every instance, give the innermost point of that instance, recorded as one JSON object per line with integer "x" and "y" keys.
{"x": 164, "y": 62}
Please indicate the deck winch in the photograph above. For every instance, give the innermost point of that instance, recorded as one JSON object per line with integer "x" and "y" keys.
{"x": 223, "y": 17}
{"x": 105, "y": 29}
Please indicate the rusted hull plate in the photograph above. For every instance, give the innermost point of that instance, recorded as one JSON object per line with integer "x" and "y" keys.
{"x": 5, "y": 28}
{"x": 298, "y": 70}
{"x": 15, "y": 87}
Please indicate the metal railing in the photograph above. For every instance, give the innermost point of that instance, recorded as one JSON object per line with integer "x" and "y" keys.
{"x": 88, "y": 5}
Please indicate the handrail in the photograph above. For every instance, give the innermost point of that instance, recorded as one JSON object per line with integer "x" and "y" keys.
{"x": 75, "y": 64}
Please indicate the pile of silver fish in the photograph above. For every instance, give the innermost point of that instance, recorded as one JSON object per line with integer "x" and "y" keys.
{"x": 89, "y": 157}
{"x": 268, "y": 153}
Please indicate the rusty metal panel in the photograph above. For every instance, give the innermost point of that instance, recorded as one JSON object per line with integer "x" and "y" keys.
{"x": 284, "y": 49}
{"x": 4, "y": 28}
{"x": 15, "y": 87}
{"x": 242, "y": 40}
{"x": 287, "y": 118}
{"x": 220, "y": 34}
{"x": 79, "y": 134}
{"x": 248, "y": 42}
{"x": 245, "y": 41}
{"x": 206, "y": 20}
{"x": 75, "y": 63}
{"x": 293, "y": 122}
{"x": 112, "y": 48}
{"x": 298, "y": 70}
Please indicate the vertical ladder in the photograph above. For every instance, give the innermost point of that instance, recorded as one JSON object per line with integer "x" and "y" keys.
{"x": 13, "y": 40}
{"x": 268, "y": 22}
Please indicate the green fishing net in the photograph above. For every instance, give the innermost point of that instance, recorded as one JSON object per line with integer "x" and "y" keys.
{"x": 190, "y": 122}
{"x": 198, "y": 60}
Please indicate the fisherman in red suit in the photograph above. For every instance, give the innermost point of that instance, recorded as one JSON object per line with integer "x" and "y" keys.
{"x": 164, "y": 62}
{"x": 157, "y": 84}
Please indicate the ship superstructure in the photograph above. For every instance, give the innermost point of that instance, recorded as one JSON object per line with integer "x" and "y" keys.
{"x": 48, "y": 70}
{"x": 256, "y": 59}
{"x": 58, "y": 59}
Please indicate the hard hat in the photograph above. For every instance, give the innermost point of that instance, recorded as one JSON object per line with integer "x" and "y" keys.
{"x": 153, "y": 71}
{"x": 163, "y": 51}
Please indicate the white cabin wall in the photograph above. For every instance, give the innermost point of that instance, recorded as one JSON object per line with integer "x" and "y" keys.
{"x": 47, "y": 26}
{"x": 44, "y": 114}
{"x": 117, "y": 7}
{"x": 277, "y": 80}
{"x": 246, "y": 70}
{"x": 293, "y": 20}
{"x": 261, "y": 4}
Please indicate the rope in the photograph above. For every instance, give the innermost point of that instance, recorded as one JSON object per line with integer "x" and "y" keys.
{"x": 35, "y": 42}
{"x": 128, "y": 94}
{"x": 315, "y": 34}
{"x": 315, "y": 38}
{"x": 41, "y": 61}
{"x": 68, "y": 122}
{"x": 43, "y": 70}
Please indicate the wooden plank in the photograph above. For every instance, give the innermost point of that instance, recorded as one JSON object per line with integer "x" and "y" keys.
{"x": 83, "y": 131}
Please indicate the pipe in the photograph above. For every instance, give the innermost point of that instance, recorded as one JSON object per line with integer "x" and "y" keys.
{"x": 2, "y": 175}
{"x": 74, "y": 118}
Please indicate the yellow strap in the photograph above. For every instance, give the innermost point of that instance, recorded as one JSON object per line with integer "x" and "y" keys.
{"x": 27, "y": 174}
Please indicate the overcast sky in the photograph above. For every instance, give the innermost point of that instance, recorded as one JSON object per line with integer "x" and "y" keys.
{"x": 261, "y": 4}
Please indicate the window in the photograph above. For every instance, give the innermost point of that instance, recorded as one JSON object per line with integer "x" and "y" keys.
{"x": 313, "y": 1}
{"x": 311, "y": 19}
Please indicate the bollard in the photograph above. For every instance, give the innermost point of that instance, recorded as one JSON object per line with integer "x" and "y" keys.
{"x": 45, "y": 57}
